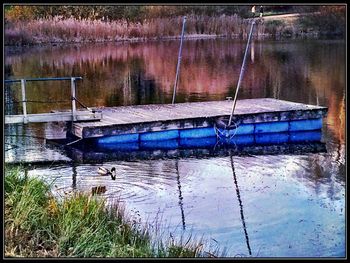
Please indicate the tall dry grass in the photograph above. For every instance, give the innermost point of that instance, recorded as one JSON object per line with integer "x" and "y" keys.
{"x": 86, "y": 30}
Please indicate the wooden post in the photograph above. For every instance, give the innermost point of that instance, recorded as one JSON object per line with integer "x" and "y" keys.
{"x": 74, "y": 108}
{"x": 23, "y": 87}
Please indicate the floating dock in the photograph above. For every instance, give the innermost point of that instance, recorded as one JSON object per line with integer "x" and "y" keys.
{"x": 192, "y": 120}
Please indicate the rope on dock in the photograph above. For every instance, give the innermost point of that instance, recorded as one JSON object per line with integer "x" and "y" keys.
{"x": 84, "y": 106}
{"x": 70, "y": 143}
{"x": 224, "y": 133}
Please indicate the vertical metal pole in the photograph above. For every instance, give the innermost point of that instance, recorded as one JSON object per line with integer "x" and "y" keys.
{"x": 179, "y": 59}
{"x": 74, "y": 108}
{"x": 23, "y": 87}
{"x": 241, "y": 73}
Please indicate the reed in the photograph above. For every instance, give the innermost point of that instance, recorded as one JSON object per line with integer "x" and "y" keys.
{"x": 25, "y": 29}
{"x": 85, "y": 30}
{"x": 79, "y": 225}
{"x": 29, "y": 228}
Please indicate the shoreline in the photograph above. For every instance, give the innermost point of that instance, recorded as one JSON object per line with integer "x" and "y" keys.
{"x": 121, "y": 40}
{"x": 309, "y": 35}
{"x": 41, "y": 224}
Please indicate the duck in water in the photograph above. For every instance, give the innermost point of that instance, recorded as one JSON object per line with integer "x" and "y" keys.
{"x": 104, "y": 171}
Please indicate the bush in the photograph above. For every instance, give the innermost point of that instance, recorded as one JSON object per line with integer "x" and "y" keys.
{"x": 274, "y": 27}
{"x": 329, "y": 20}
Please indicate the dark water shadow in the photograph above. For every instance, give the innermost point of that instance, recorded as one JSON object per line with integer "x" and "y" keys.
{"x": 268, "y": 144}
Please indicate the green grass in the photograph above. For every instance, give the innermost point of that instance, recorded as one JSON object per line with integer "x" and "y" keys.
{"x": 80, "y": 225}
{"x": 29, "y": 228}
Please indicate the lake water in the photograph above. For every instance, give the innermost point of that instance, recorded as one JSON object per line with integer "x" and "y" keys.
{"x": 272, "y": 205}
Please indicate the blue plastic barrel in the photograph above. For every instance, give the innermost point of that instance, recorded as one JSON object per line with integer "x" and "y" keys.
{"x": 132, "y": 137}
{"x": 306, "y": 125}
{"x": 306, "y": 136}
{"x": 159, "y": 135}
{"x": 197, "y": 133}
{"x": 276, "y": 126}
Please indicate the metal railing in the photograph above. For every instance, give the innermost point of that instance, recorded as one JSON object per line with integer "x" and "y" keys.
{"x": 23, "y": 89}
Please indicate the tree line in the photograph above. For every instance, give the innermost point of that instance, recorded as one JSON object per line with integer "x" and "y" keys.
{"x": 134, "y": 13}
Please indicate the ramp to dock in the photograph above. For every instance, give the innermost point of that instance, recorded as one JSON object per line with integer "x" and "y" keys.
{"x": 52, "y": 117}
{"x": 161, "y": 117}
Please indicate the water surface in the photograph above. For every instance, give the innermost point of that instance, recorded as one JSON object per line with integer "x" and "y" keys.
{"x": 273, "y": 205}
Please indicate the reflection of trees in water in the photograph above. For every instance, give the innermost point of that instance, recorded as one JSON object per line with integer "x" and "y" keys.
{"x": 142, "y": 90}
{"x": 10, "y": 99}
{"x": 286, "y": 73}
{"x": 326, "y": 175}
{"x": 327, "y": 78}
{"x": 11, "y": 103}
{"x": 8, "y": 71}
{"x": 312, "y": 73}
{"x": 134, "y": 87}
{"x": 204, "y": 67}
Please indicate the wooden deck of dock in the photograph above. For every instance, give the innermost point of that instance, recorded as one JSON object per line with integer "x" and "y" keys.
{"x": 160, "y": 117}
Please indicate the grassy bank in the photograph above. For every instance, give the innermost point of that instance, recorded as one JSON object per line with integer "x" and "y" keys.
{"x": 79, "y": 225}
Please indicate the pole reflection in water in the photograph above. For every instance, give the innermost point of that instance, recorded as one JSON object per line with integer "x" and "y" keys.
{"x": 252, "y": 52}
{"x": 26, "y": 173}
{"x": 180, "y": 194}
{"x": 74, "y": 176}
{"x": 240, "y": 204}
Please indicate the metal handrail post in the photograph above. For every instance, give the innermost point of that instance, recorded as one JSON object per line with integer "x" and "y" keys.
{"x": 24, "y": 101}
{"x": 179, "y": 59}
{"x": 74, "y": 107}
{"x": 241, "y": 74}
